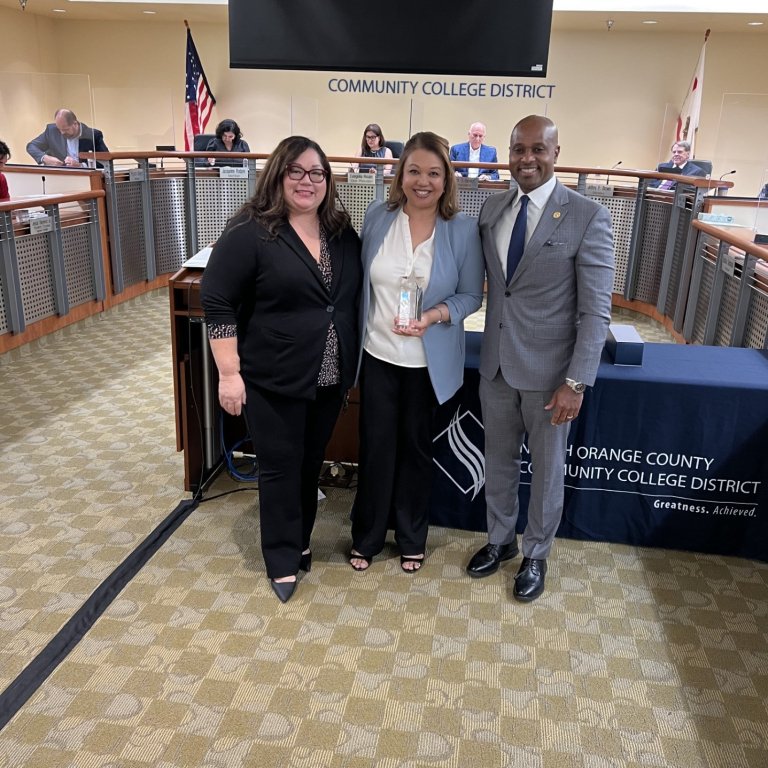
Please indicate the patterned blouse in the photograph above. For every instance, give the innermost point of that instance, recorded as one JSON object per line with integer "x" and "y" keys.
{"x": 330, "y": 371}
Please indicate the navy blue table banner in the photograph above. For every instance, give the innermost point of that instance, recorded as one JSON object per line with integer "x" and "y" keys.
{"x": 672, "y": 454}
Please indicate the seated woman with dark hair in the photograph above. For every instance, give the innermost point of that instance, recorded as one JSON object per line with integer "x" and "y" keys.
{"x": 228, "y": 139}
{"x": 372, "y": 145}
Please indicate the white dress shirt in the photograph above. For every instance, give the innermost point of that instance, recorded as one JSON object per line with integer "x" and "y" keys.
{"x": 474, "y": 157}
{"x": 537, "y": 199}
{"x": 73, "y": 147}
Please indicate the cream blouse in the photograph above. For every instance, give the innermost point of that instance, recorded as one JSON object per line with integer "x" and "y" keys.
{"x": 396, "y": 258}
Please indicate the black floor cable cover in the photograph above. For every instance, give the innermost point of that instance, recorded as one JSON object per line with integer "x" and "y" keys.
{"x": 37, "y": 671}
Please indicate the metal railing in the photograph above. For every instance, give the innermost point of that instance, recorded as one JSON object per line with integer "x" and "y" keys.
{"x": 51, "y": 258}
{"x": 164, "y": 207}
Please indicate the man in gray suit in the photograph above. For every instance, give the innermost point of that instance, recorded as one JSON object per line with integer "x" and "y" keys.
{"x": 63, "y": 140}
{"x": 550, "y": 277}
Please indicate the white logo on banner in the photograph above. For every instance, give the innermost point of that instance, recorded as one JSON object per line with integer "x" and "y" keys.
{"x": 466, "y": 452}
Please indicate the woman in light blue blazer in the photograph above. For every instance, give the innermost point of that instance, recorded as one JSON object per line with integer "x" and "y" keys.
{"x": 407, "y": 367}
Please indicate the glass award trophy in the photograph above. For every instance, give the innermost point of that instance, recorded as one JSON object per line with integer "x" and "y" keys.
{"x": 409, "y": 301}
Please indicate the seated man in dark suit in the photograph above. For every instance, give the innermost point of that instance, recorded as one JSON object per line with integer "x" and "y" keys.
{"x": 62, "y": 141}
{"x": 681, "y": 151}
{"x": 475, "y": 150}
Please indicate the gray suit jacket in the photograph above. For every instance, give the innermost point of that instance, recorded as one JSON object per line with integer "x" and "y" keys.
{"x": 51, "y": 142}
{"x": 551, "y": 321}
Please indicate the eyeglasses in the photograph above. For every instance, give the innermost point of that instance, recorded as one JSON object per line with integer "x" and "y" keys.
{"x": 297, "y": 173}
{"x": 371, "y": 136}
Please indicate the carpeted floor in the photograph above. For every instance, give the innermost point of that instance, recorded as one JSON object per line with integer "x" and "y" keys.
{"x": 632, "y": 657}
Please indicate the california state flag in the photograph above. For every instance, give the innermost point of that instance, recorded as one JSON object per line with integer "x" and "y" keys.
{"x": 688, "y": 119}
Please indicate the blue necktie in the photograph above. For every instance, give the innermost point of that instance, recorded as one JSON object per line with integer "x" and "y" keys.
{"x": 517, "y": 241}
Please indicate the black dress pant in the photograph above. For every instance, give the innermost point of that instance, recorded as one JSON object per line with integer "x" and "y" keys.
{"x": 289, "y": 437}
{"x": 397, "y": 410}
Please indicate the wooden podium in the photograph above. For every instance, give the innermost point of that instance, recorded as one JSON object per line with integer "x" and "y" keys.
{"x": 199, "y": 419}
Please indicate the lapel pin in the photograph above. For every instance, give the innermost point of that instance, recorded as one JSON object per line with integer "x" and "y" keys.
{"x": 556, "y": 215}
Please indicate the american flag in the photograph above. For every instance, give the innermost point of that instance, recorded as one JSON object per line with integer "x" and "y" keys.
{"x": 199, "y": 99}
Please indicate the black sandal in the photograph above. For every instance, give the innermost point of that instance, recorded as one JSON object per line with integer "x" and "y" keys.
{"x": 366, "y": 560}
{"x": 417, "y": 560}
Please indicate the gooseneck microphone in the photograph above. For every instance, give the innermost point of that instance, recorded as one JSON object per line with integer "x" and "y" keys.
{"x": 43, "y": 180}
{"x": 608, "y": 176}
{"x": 727, "y": 173}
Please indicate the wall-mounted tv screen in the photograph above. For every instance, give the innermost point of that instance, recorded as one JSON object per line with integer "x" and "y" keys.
{"x": 494, "y": 38}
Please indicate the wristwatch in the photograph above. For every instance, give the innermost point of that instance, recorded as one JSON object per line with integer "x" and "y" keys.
{"x": 577, "y": 386}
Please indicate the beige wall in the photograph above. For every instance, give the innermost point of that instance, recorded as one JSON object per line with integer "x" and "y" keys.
{"x": 614, "y": 92}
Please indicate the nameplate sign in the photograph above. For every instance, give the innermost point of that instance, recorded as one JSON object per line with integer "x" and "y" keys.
{"x": 624, "y": 344}
{"x": 728, "y": 264}
{"x": 39, "y": 224}
{"x": 136, "y": 174}
{"x": 600, "y": 190}
{"x": 716, "y": 218}
{"x": 233, "y": 172}
{"x": 361, "y": 178}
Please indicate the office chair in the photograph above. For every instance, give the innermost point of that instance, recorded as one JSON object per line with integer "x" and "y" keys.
{"x": 395, "y": 146}
{"x": 200, "y": 144}
{"x": 706, "y": 165}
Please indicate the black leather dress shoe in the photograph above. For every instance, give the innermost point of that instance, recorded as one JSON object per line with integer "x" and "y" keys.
{"x": 529, "y": 582}
{"x": 283, "y": 589}
{"x": 486, "y": 560}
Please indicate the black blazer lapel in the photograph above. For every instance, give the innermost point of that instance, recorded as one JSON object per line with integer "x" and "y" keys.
{"x": 288, "y": 235}
{"x": 336, "y": 246}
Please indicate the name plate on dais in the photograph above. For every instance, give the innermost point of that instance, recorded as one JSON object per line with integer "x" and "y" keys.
{"x": 361, "y": 178}
{"x": 728, "y": 264}
{"x": 716, "y": 218}
{"x": 600, "y": 190}
{"x": 136, "y": 174}
{"x": 233, "y": 172}
{"x": 39, "y": 224}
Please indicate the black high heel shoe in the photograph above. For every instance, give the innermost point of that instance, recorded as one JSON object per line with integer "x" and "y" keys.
{"x": 283, "y": 589}
{"x": 305, "y": 564}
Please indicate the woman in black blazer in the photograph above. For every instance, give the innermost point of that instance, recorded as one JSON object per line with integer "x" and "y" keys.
{"x": 281, "y": 294}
